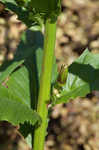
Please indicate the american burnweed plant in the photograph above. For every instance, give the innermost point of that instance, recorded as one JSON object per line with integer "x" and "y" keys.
{"x": 29, "y": 82}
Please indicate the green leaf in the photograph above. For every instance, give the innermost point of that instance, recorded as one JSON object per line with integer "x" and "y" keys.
{"x": 25, "y": 49}
{"x": 34, "y": 12}
{"x": 83, "y": 77}
{"x": 14, "y": 110}
{"x": 9, "y": 70}
{"x": 29, "y": 51}
{"x": 50, "y": 9}
{"x": 20, "y": 83}
{"x": 44, "y": 5}
{"x": 9, "y": 1}
{"x": 23, "y": 13}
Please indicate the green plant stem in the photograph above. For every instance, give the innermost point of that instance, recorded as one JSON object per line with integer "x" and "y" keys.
{"x": 45, "y": 84}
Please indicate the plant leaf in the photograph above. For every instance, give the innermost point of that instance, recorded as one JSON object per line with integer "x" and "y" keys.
{"x": 20, "y": 83}
{"x": 34, "y": 12}
{"x": 12, "y": 109}
{"x": 9, "y": 70}
{"x": 23, "y": 14}
{"x": 83, "y": 77}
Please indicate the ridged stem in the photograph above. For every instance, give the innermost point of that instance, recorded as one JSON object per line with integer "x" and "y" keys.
{"x": 45, "y": 84}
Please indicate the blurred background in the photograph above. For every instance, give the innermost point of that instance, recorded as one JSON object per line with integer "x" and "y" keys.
{"x": 75, "y": 125}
